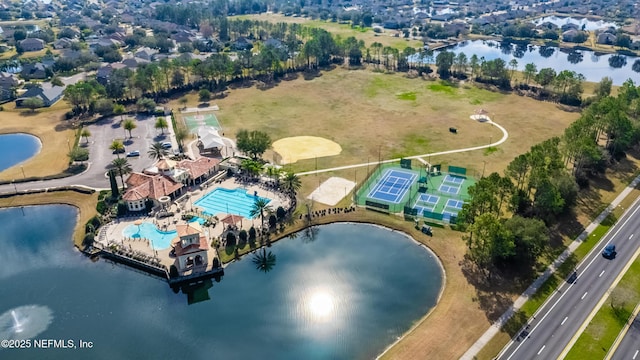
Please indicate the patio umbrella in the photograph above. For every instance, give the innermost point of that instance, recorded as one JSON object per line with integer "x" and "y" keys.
{"x": 138, "y": 223}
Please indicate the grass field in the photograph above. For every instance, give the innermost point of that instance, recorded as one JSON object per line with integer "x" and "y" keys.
{"x": 386, "y": 38}
{"x": 388, "y": 115}
{"x": 56, "y": 137}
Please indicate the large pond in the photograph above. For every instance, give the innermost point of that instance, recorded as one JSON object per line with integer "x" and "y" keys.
{"x": 341, "y": 291}
{"x": 16, "y": 148}
{"x": 588, "y": 24}
{"x": 594, "y": 67}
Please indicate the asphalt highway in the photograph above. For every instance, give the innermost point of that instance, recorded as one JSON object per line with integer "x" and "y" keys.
{"x": 551, "y": 329}
{"x": 629, "y": 348}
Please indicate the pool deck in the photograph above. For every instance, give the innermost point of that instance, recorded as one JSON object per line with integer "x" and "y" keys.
{"x": 113, "y": 232}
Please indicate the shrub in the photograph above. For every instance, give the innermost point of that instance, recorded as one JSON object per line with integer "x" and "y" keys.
{"x": 122, "y": 208}
{"x": 231, "y": 239}
{"x": 272, "y": 221}
{"x": 95, "y": 221}
{"x": 216, "y": 263}
{"x": 79, "y": 154}
{"x": 88, "y": 240}
{"x": 89, "y": 229}
{"x": 243, "y": 235}
{"x": 280, "y": 213}
{"x": 252, "y": 233}
{"x": 101, "y": 207}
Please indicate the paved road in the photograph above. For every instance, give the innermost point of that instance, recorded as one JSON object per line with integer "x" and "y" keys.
{"x": 102, "y": 134}
{"x": 629, "y": 348}
{"x": 561, "y": 317}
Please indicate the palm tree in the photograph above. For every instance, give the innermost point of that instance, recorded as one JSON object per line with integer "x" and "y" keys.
{"x": 157, "y": 152}
{"x": 161, "y": 123}
{"x": 117, "y": 146}
{"x": 122, "y": 167}
{"x": 264, "y": 261}
{"x": 181, "y": 133}
{"x": 85, "y": 133}
{"x": 129, "y": 125}
{"x": 119, "y": 109}
{"x": 292, "y": 182}
{"x": 259, "y": 207}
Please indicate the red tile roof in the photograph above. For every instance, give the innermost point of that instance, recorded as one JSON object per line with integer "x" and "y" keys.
{"x": 199, "y": 167}
{"x": 192, "y": 248}
{"x": 149, "y": 186}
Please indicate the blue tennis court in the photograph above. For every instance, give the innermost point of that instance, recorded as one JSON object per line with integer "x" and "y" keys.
{"x": 453, "y": 179}
{"x": 422, "y": 209}
{"x": 429, "y": 199}
{"x": 393, "y": 185}
{"x": 456, "y": 204}
{"x": 447, "y": 215}
{"x": 449, "y": 189}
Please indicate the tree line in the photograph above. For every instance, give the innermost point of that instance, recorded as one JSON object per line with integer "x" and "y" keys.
{"x": 507, "y": 217}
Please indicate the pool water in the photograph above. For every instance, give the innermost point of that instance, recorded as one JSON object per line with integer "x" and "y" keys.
{"x": 235, "y": 201}
{"x": 160, "y": 240}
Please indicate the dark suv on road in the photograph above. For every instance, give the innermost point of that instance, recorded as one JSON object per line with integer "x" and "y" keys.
{"x": 609, "y": 251}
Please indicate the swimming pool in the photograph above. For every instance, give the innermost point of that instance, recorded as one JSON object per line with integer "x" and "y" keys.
{"x": 235, "y": 201}
{"x": 160, "y": 240}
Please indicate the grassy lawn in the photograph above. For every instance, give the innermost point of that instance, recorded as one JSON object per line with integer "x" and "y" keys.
{"x": 353, "y": 108}
{"x": 386, "y": 38}
{"x": 598, "y": 337}
{"x": 53, "y": 132}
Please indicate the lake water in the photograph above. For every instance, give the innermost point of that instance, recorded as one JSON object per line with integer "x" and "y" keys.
{"x": 589, "y": 25}
{"x": 16, "y": 148}
{"x": 345, "y": 292}
{"x": 592, "y": 66}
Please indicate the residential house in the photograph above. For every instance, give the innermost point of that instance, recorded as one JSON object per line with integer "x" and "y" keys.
{"x": 32, "y": 44}
{"x": 48, "y": 93}
{"x": 8, "y": 80}
{"x": 570, "y": 35}
{"x": 62, "y": 43}
{"x": 134, "y": 62}
{"x": 146, "y": 53}
{"x": 34, "y": 71}
{"x": 8, "y": 83}
{"x": 191, "y": 248}
{"x": 242, "y": 43}
{"x": 606, "y": 38}
{"x": 103, "y": 73}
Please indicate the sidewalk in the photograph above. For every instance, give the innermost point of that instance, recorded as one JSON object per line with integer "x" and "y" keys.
{"x": 496, "y": 326}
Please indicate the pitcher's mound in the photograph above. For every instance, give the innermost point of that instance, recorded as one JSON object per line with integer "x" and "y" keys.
{"x": 296, "y": 148}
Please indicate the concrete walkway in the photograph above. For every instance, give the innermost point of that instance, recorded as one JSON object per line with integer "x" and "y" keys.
{"x": 531, "y": 290}
{"x": 505, "y": 136}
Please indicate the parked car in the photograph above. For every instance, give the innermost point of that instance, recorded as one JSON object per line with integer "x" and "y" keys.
{"x": 609, "y": 251}
{"x": 166, "y": 145}
{"x": 133, "y": 153}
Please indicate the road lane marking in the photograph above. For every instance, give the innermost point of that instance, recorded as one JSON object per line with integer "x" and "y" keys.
{"x": 630, "y": 236}
{"x": 563, "y": 321}
{"x": 585, "y": 294}
{"x": 601, "y": 273}
{"x": 636, "y": 354}
{"x": 542, "y": 348}
{"x": 618, "y": 227}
